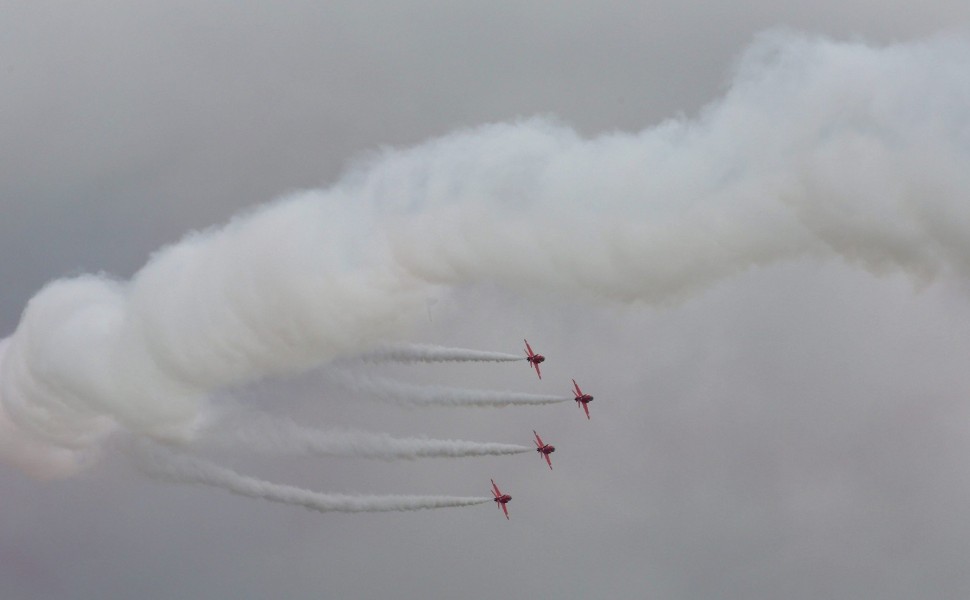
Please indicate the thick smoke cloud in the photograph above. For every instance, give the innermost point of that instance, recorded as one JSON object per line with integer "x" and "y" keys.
{"x": 817, "y": 149}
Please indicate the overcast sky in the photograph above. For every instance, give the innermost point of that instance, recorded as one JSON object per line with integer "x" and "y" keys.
{"x": 795, "y": 429}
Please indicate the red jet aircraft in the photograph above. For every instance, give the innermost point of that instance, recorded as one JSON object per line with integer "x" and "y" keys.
{"x": 533, "y": 358}
{"x": 582, "y": 398}
{"x": 544, "y": 449}
{"x": 501, "y": 499}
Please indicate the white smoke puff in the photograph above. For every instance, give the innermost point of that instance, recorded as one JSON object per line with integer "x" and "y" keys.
{"x": 61, "y": 356}
{"x": 623, "y": 217}
{"x": 275, "y": 291}
{"x": 35, "y": 457}
{"x": 818, "y": 148}
{"x": 286, "y": 287}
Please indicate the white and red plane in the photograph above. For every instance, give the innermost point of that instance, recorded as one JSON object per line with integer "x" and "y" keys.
{"x": 544, "y": 449}
{"x": 533, "y": 358}
{"x": 501, "y": 499}
{"x": 582, "y": 398}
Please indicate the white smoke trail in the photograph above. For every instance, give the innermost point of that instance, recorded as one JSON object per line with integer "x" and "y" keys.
{"x": 163, "y": 464}
{"x": 414, "y": 353}
{"x": 397, "y": 392}
{"x": 268, "y": 434}
{"x": 817, "y": 149}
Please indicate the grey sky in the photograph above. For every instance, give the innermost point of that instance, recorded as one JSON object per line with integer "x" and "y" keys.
{"x": 796, "y": 431}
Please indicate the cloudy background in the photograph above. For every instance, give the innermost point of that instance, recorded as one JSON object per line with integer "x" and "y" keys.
{"x": 797, "y": 430}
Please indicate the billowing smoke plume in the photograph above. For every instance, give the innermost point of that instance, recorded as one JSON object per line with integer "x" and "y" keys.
{"x": 406, "y": 394}
{"x": 818, "y": 148}
{"x": 161, "y": 463}
{"x": 269, "y": 434}
{"x": 415, "y": 353}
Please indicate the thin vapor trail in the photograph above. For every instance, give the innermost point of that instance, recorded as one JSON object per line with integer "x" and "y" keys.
{"x": 260, "y": 432}
{"x": 159, "y": 463}
{"x": 396, "y": 392}
{"x": 426, "y": 353}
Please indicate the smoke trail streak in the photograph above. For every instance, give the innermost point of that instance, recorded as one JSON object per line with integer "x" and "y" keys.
{"x": 159, "y": 463}
{"x": 426, "y": 353}
{"x": 260, "y": 432}
{"x": 397, "y": 392}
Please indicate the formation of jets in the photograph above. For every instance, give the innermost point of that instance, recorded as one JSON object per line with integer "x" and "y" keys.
{"x": 544, "y": 449}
